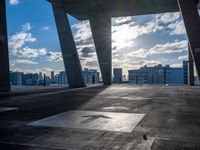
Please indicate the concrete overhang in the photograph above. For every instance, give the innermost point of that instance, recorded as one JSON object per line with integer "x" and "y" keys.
{"x": 81, "y": 9}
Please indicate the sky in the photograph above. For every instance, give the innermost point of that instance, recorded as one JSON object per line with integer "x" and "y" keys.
{"x": 136, "y": 40}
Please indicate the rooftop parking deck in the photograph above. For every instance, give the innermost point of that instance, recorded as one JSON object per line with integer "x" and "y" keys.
{"x": 114, "y": 117}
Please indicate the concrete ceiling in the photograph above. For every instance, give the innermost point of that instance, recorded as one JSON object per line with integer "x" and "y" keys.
{"x": 80, "y": 9}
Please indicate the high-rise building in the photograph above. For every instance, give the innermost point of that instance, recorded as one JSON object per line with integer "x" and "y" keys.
{"x": 53, "y": 78}
{"x": 16, "y": 78}
{"x": 41, "y": 79}
{"x": 52, "y": 74}
{"x": 62, "y": 78}
{"x": 117, "y": 72}
{"x": 185, "y": 71}
{"x": 47, "y": 80}
{"x": 147, "y": 75}
{"x": 90, "y": 76}
{"x": 31, "y": 79}
{"x": 157, "y": 75}
{"x": 174, "y": 76}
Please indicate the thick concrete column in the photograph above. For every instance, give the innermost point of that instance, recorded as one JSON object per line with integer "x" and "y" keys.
{"x": 190, "y": 67}
{"x": 68, "y": 47}
{"x": 101, "y": 29}
{"x": 191, "y": 20}
{"x": 4, "y": 60}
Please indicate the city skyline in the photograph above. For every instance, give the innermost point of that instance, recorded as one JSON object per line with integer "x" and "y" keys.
{"x": 93, "y": 76}
{"x": 137, "y": 41}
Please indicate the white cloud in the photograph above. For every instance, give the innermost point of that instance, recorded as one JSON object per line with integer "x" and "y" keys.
{"x": 169, "y": 48}
{"x": 25, "y": 61}
{"x": 12, "y": 64}
{"x": 184, "y": 57}
{"x": 14, "y": 2}
{"x": 42, "y": 51}
{"x": 85, "y": 44}
{"x": 86, "y": 52}
{"x": 177, "y": 65}
{"x": 168, "y": 17}
{"x": 44, "y": 28}
{"x": 177, "y": 28}
{"x": 124, "y": 31}
{"x": 26, "y": 27}
{"x": 83, "y": 32}
{"x": 19, "y": 39}
{"x": 150, "y": 27}
{"x": 139, "y": 53}
{"x": 47, "y": 71}
{"x": 18, "y": 44}
{"x": 92, "y": 63}
{"x": 28, "y": 52}
{"x": 122, "y": 20}
{"x": 123, "y": 35}
{"x": 54, "y": 56}
{"x": 173, "y": 22}
{"x": 128, "y": 64}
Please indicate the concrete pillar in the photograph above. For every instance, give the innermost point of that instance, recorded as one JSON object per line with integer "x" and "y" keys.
{"x": 101, "y": 29}
{"x": 191, "y": 20}
{"x": 4, "y": 60}
{"x": 190, "y": 67}
{"x": 68, "y": 47}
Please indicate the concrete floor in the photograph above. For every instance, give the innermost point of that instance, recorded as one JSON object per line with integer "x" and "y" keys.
{"x": 170, "y": 121}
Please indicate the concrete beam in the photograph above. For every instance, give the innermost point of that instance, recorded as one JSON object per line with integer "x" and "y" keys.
{"x": 191, "y": 20}
{"x": 190, "y": 67}
{"x": 81, "y": 9}
{"x": 101, "y": 29}
{"x": 70, "y": 55}
{"x": 4, "y": 60}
